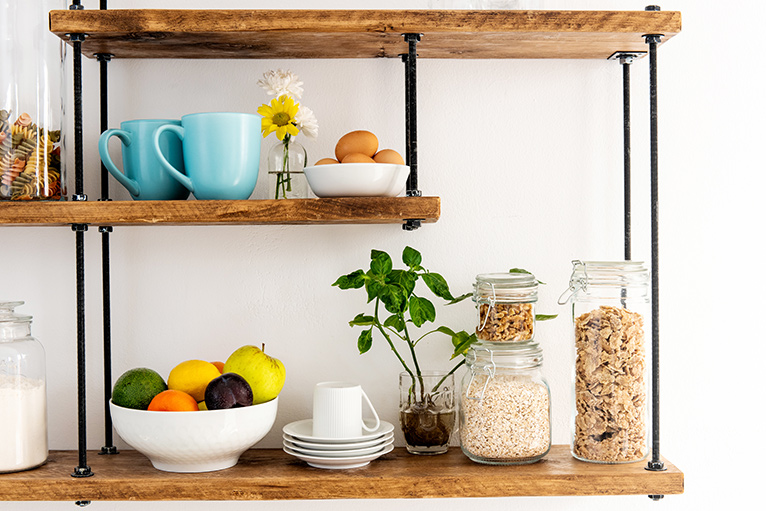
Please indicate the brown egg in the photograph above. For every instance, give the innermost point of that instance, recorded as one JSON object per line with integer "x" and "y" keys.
{"x": 357, "y": 158}
{"x": 360, "y": 141}
{"x": 388, "y": 156}
{"x": 327, "y": 161}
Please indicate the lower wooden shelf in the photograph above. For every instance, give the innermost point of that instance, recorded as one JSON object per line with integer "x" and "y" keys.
{"x": 271, "y": 474}
{"x": 348, "y": 210}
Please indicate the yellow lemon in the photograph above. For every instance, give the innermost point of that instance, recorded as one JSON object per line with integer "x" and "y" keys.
{"x": 192, "y": 377}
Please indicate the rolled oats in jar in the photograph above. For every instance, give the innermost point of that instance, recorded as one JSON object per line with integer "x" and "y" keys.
{"x": 609, "y": 303}
{"x": 505, "y": 304}
{"x": 505, "y": 406}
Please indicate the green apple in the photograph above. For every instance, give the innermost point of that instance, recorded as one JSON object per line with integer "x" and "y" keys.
{"x": 265, "y": 374}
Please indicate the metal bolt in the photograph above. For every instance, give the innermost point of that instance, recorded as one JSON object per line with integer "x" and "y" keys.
{"x": 652, "y": 8}
{"x": 82, "y": 503}
{"x": 656, "y": 497}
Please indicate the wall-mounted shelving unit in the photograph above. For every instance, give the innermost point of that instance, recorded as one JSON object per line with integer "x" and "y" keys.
{"x": 268, "y": 473}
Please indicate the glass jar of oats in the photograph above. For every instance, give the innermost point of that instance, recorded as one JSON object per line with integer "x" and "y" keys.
{"x": 505, "y": 306}
{"x": 610, "y": 301}
{"x": 505, "y": 405}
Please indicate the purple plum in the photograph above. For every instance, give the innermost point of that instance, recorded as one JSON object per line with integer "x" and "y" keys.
{"x": 229, "y": 390}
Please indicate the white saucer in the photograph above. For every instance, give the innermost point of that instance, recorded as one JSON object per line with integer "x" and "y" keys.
{"x": 337, "y": 447}
{"x": 363, "y": 451}
{"x": 339, "y": 463}
{"x": 303, "y": 430}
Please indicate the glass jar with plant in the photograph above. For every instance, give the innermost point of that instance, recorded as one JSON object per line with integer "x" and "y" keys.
{"x": 427, "y": 404}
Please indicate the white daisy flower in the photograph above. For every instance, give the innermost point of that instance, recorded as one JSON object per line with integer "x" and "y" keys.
{"x": 307, "y": 122}
{"x": 281, "y": 82}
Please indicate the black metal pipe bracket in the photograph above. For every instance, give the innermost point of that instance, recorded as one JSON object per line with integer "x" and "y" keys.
{"x": 411, "y": 121}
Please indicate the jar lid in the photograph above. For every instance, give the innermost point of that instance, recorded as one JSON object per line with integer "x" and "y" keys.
{"x": 7, "y": 314}
{"x": 605, "y": 274}
{"x": 508, "y": 356}
{"x": 505, "y": 287}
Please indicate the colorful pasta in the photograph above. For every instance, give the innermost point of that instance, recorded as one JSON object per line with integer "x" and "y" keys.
{"x": 30, "y": 160}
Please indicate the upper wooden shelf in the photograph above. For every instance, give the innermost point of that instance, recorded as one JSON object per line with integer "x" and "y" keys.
{"x": 352, "y": 210}
{"x": 271, "y": 474}
{"x": 281, "y": 34}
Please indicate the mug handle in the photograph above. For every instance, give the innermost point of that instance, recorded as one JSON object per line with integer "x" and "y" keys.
{"x": 377, "y": 419}
{"x": 170, "y": 169}
{"x": 103, "y": 150}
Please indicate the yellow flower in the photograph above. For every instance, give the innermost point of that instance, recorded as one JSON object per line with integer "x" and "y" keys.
{"x": 279, "y": 117}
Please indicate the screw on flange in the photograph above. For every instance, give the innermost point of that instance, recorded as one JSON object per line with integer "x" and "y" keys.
{"x": 652, "y": 8}
{"x": 109, "y": 449}
{"x": 82, "y": 472}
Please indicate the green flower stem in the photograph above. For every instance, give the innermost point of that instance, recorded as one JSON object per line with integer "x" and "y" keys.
{"x": 447, "y": 375}
{"x": 382, "y": 330}
{"x": 414, "y": 357}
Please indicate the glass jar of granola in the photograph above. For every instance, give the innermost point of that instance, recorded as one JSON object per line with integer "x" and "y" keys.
{"x": 505, "y": 405}
{"x": 609, "y": 302}
{"x": 505, "y": 306}
{"x": 31, "y": 102}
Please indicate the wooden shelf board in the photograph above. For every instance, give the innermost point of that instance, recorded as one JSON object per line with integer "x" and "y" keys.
{"x": 352, "y": 210}
{"x": 234, "y": 34}
{"x": 271, "y": 474}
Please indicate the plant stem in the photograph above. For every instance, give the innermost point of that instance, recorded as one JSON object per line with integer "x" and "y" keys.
{"x": 382, "y": 330}
{"x": 447, "y": 375}
{"x": 414, "y": 357}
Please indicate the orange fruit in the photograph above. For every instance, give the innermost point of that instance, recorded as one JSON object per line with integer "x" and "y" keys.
{"x": 219, "y": 365}
{"x": 173, "y": 401}
{"x": 192, "y": 377}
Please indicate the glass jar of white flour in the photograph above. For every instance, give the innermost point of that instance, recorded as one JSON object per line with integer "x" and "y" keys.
{"x": 23, "y": 415}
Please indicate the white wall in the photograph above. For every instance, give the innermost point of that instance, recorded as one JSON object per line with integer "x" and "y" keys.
{"x": 527, "y": 158}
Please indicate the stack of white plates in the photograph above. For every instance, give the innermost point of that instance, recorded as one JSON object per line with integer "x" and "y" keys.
{"x": 336, "y": 453}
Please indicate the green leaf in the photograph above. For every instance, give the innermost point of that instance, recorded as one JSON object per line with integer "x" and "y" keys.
{"x": 364, "y": 343}
{"x": 447, "y": 331}
{"x": 393, "y": 298}
{"x": 437, "y": 285}
{"x": 421, "y": 310}
{"x": 526, "y": 272}
{"x": 374, "y": 285}
{"x": 404, "y": 279}
{"x": 462, "y": 341}
{"x": 394, "y": 322}
{"x": 362, "y": 320}
{"x": 411, "y": 257}
{"x": 459, "y": 298}
{"x": 353, "y": 280}
{"x": 545, "y": 317}
{"x": 381, "y": 263}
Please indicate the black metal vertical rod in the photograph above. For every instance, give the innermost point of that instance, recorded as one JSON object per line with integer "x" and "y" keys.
{"x": 655, "y": 463}
{"x": 411, "y": 121}
{"x": 108, "y": 447}
{"x": 626, "y": 61}
{"x": 82, "y": 470}
{"x": 411, "y": 98}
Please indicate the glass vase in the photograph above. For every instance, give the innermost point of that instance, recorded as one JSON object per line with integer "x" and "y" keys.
{"x": 427, "y": 411}
{"x": 31, "y": 71}
{"x": 286, "y": 161}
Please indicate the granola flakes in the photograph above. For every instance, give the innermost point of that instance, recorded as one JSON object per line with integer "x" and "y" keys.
{"x": 610, "y": 386}
{"x": 506, "y": 322}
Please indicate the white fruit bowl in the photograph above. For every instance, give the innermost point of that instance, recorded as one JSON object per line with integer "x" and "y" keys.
{"x": 357, "y": 179}
{"x": 201, "y": 441}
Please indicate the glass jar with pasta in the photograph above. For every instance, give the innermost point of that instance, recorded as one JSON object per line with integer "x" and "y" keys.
{"x": 31, "y": 69}
{"x": 505, "y": 304}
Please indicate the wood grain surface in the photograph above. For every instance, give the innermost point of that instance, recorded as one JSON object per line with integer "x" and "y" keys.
{"x": 271, "y": 474}
{"x": 166, "y": 33}
{"x": 354, "y": 210}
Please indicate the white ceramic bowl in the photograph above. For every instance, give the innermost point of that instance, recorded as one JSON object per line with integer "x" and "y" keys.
{"x": 357, "y": 179}
{"x": 194, "y": 441}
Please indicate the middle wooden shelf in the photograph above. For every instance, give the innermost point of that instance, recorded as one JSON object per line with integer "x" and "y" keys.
{"x": 347, "y": 210}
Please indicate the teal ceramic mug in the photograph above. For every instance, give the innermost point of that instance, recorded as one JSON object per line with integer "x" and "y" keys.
{"x": 222, "y": 152}
{"x": 143, "y": 175}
